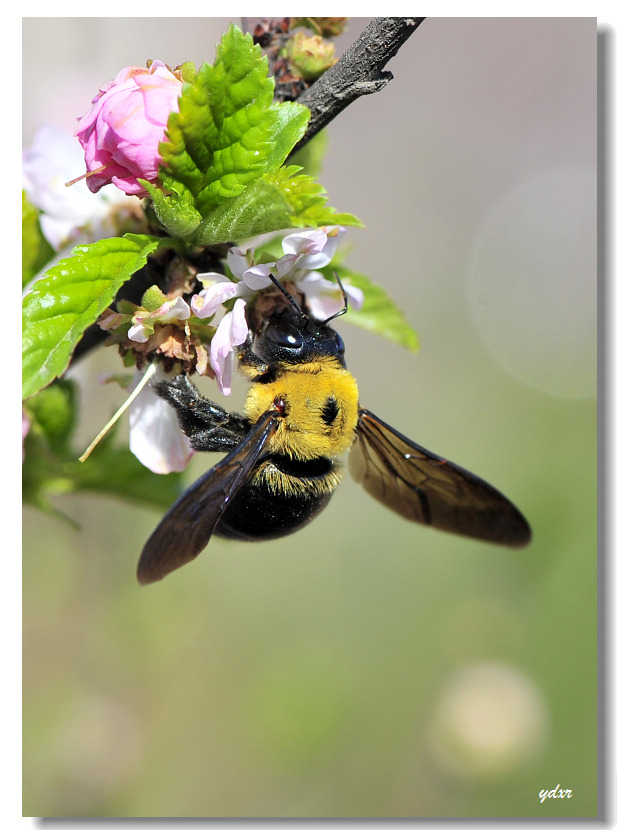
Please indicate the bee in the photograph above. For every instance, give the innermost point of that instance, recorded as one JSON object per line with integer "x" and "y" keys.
{"x": 285, "y": 452}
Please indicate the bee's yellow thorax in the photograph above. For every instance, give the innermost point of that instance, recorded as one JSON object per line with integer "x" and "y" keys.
{"x": 321, "y": 406}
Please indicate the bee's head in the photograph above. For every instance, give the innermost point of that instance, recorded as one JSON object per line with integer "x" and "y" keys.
{"x": 292, "y": 336}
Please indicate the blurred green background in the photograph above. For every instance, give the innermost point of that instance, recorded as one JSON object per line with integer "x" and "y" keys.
{"x": 364, "y": 667}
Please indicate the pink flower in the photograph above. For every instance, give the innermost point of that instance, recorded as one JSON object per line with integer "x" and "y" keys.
{"x": 122, "y": 130}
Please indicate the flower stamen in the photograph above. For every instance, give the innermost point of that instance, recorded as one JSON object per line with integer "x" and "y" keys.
{"x": 86, "y": 175}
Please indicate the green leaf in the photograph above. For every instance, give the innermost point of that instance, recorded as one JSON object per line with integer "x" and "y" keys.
{"x": 52, "y": 415}
{"x": 379, "y": 313}
{"x": 260, "y": 208}
{"x": 221, "y": 137}
{"x": 240, "y": 94}
{"x": 275, "y": 202}
{"x": 175, "y": 211}
{"x": 51, "y": 467}
{"x": 291, "y": 121}
{"x": 71, "y": 296}
{"x": 117, "y": 472}
{"x": 307, "y": 200}
{"x": 54, "y": 411}
{"x": 227, "y": 134}
{"x": 36, "y": 251}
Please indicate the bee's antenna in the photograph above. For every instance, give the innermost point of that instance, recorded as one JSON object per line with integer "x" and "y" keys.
{"x": 284, "y": 291}
{"x": 344, "y": 293}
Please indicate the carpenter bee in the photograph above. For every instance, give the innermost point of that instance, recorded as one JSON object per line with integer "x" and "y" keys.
{"x": 284, "y": 453}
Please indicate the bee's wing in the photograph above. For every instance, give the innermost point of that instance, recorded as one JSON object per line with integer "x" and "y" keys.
{"x": 186, "y": 528}
{"x": 425, "y": 488}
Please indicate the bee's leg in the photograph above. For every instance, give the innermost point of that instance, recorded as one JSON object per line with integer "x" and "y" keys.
{"x": 209, "y": 427}
{"x": 252, "y": 367}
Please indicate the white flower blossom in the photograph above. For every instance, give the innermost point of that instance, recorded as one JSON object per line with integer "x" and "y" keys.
{"x": 232, "y": 329}
{"x": 168, "y": 312}
{"x": 324, "y": 297}
{"x": 312, "y": 248}
{"x": 70, "y": 215}
{"x": 155, "y": 436}
{"x": 303, "y": 252}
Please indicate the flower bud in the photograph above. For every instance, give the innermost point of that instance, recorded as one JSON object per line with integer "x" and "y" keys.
{"x": 310, "y": 56}
{"x": 325, "y": 26}
{"x": 122, "y": 130}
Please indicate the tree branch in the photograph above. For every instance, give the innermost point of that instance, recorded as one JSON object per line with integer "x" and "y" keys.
{"x": 359, "y": 71}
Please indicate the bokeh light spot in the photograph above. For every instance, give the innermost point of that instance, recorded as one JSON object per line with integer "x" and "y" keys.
{"x": 533, "y": 283}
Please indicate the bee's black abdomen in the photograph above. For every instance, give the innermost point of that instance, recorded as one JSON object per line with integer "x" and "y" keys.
{"x": 257, "y": 514}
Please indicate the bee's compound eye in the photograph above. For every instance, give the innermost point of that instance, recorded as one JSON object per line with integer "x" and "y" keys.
{"x": 340, "y": 345}
{"x": 282, "y": 334}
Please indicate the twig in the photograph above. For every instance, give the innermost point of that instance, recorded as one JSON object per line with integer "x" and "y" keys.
{"x": 359, "y": 71}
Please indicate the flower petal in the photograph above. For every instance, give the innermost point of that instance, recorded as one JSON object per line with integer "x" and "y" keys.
{"x": 137, "y": 333}
{"x": 314, "y": 248}
{"x": 209, "y": 300}
{"x": 324, "y": 297}
{"x": 239, "y": 326}
{"x": 121, "y": 132}
{"x": 155, "y": 435}
{"x": 258, "y": 276}
{"x": 69, "y": 214}
{"x": 238, "y": 261}
{"x": 209, "y": 278}
{"x": 176, "y": 309}
{"x": 355, "y": 296}
{"x": 286, "y": 264}
{"x": 310, "y": 241}
{"x": 231, "y": 331}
